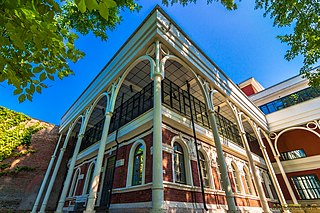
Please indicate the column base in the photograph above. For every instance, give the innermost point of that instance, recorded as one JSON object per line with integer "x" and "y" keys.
{"x": 158, "y": 210}
{"x": 89, "y": 211}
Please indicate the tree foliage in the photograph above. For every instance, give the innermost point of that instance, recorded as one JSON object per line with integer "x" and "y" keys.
{"x": 15, "y": 133}
{"x": 303, "y": 16}
{"x": 37, "y": 38}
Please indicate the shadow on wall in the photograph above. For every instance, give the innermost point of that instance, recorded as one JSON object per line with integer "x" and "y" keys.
{"x": 21, "y": 175}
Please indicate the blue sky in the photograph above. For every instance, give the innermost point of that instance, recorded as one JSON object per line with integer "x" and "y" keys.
{"x": 242, "y": 43}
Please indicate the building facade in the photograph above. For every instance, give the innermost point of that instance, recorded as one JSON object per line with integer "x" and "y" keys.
{"x": 163, "y": 129}
{"x": 292, "y": 110}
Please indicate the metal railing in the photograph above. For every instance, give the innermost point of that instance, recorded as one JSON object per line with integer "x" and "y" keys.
{"x": 135, "y": 106}
{"x": 92, "y": 135}
{"x": 290, "y": 100}
{"x": 175, "y": 98}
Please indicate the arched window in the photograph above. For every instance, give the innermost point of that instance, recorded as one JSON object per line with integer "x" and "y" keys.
{"x": 235, "y": 178}
{"x": 89, "y": 179}
{"x": 248, "y": 180}
{"x": 179, "y": 164}
{"x": 74, "y": 184}
{"x": 138, "y": 165}
{"x": 204, "y": 170}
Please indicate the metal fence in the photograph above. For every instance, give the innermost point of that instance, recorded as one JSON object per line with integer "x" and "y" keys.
{"x": 175, "y": 98}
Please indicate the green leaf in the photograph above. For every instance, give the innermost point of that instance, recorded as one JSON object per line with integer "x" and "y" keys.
{"x": 17, "y": 91}
{"x": 43, "y": 76}
{"x": 51, "y": 77}
{"x": 32, "y": 88}
{"x": 82, "y": 6}
{"x": 38, "y": 89}
{"x": 92, "y": 5}
{"x": 37, "y": 69}
{"x": 110, "y": 3}
{"x": 104, "y": 10}
{"x": 29, "y": 97}
{"x": 22, "y": 98}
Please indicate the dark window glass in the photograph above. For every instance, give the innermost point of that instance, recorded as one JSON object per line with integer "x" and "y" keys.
{"x": 290, "y": 100}
{"x": 179, "y": 166}
{"x": 308, "y": 186}
{"x": 204, "y": 170}
{"x": 290, "y": 155}
{"x": 137, "y": 165}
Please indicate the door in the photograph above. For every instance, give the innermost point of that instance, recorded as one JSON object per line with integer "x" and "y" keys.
{"x": 107, "y": 183}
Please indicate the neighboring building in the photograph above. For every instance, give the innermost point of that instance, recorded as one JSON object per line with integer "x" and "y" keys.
{"x": 292, "y": 110}
{"x": 134, "y": 141}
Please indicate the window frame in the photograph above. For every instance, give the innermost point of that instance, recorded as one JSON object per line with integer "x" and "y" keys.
{"x": 75, "y": 181}
{"x": 137, "y": 153}
{"x": 89, "y": 178}
{"x": 178, "y": 155}
{"x": 187, "y": 158}
{"x": 236, "y": 178}
{"x": 131, "y": 161}
{"x": 248, "y": 181}
{"x": 285, "y": 156}
{"x": 206, "y": 175}
{"x": 303, "y": 192}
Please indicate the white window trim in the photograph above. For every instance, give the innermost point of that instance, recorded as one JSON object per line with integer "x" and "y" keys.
{"x": 130, "y": 162}
{"x": 75, "y": 182}
{"x": 207, "y": 161}
{"x": 248, "y": 176}
{"x": 86, "y": 183}
{"x": 237, "y": 178}
{"x": 187, "y": 163}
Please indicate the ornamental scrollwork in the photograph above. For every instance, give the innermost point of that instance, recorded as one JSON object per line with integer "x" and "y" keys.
{"x": 311, "y": 126}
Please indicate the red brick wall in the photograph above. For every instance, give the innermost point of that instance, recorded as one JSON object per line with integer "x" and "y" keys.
{"x": 195, "y": 174}
{"x": 177, "y": 195}
{"x": 120, "y": 176}
{"x": 123, "y": 153}
{"x": 132, "y": 197}
{"x": 247, "y": 202}
{"x": 217, "y": 184}
{"x": 19, "y": 191}
{"x": 167, "y": 166}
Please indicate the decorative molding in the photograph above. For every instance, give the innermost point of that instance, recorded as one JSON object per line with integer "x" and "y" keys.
{"x": 132, "y": 188}
{"x": 295, "y": 115}
{"x": 167, "y": 148}
{"x": 297, "y": 165}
